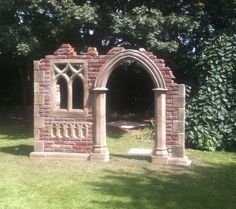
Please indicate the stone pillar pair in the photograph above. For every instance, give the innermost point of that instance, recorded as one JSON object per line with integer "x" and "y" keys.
{"x": 100, "y": 151}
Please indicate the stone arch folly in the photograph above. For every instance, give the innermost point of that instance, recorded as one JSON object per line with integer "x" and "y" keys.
{"x": 81, "y": 133}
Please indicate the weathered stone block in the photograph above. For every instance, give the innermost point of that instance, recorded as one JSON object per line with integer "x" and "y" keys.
{"x": 159, "y": 159}
{"x": 59, "y": 155}
{"x": 181, "y": 90}
{"x": 38, "y": 99}
{"x": 99, "y": 157}
{"x": 177, "y": 151}
{"x": 178, "y": 101}
{"x": 182, "y": 161}
{"x": 38, "y": 76}
{"x": 36, "y": 134}
{"x": 38, "y": 122}
{"x": 178, "y": 126}
{"x": 38, "y": 146}
{"x": 181, "y": 139}
{"x": 36, "y": 87}
{"x": 181, "y": 114}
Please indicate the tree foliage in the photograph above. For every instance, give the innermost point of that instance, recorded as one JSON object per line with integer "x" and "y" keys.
{"x": 174, "y": 30}
{"x": 32, "y": 28}
{"x": 148, "y": 27}
{"x": 212, "y": 108}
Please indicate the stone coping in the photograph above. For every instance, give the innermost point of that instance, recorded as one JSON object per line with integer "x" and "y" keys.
{"x": 59, "y": 155}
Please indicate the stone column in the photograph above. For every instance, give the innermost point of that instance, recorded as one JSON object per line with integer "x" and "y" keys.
{"x": 100, "y": 151}
{"x": 160, "y": 154}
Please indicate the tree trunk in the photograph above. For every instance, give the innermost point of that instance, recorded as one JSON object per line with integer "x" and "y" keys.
{"x": 24, "y": 80}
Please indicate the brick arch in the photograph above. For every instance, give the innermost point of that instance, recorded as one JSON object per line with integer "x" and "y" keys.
{"x": 135, "y": 55}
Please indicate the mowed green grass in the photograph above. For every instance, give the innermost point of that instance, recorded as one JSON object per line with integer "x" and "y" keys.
{"x": 125, "y": 181}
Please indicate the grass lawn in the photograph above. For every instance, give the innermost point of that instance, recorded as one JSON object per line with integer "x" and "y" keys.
{"x": 124, "y": 182}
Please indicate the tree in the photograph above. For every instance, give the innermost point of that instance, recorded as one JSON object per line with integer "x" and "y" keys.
{"x": 32, "y": 28}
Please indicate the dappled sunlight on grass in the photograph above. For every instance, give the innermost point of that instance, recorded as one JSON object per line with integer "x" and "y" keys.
{"x": 208, "y": 188}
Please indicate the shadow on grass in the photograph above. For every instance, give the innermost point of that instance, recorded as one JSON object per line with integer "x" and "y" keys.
{"x": 16, "y": 124}
{"x": 115, "y": 132}
{"x": 14, "y": 133}
{"x": 132, "y": 157}
{"x": 22, "y": 149}
{"x": 199, "y": 187}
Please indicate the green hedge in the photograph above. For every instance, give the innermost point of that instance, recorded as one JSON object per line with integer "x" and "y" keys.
{"x": 211, "y": 109}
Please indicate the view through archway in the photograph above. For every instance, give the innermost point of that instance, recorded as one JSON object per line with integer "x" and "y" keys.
{"x": 130, "y": 111}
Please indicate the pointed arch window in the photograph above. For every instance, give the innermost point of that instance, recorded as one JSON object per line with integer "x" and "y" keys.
{"x": 62, "y": 93}
{"x": 77, "y": 93}
{"x": 70, "y": 89}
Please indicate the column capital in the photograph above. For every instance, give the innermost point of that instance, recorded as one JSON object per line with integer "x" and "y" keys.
{"x": 100, "y": 90}
{"x": 160, "y": 90}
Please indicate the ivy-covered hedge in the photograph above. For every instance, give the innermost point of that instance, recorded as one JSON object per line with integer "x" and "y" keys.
{"x": 211, "y": 109}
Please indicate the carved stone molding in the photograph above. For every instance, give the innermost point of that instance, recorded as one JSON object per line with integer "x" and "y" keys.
{"x": 69, "y": 130}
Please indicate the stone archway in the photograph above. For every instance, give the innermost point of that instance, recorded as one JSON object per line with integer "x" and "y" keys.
{"x": 100, "y": 150}
{"x": 79, "y": 132}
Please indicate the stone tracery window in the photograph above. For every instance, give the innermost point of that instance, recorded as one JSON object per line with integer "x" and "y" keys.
{"x": 70, "y": 86}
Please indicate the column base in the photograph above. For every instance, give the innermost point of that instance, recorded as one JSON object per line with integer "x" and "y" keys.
{"x": 102, "y": 157}
{"x": 182, "y": 161}
{"x": 159, "y": 159}
{"x": 160, "y": 152}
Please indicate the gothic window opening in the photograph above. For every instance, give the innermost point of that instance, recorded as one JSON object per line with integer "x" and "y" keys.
{"x": 78, "y": 93}
{"x": 62, "y": 93}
